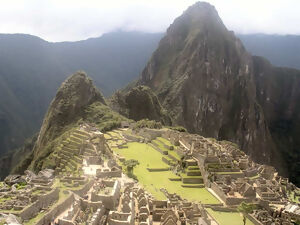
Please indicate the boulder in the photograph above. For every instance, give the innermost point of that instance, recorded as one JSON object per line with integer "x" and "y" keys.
{"x": 14, "y": 179}
{"x": 30, "y": 174}
{"x": 46, "y": 173}
{"x": 10, "y": 219}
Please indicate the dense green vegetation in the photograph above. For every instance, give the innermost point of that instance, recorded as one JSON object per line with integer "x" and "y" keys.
{"x": 146, "y": 123}
{"x": 103, "y": 117}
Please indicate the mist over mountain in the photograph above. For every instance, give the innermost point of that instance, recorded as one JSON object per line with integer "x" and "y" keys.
{"x": 32, "y": 69}
{"x": 280, "y": 50}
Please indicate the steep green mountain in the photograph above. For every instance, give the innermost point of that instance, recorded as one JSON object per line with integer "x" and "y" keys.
{"x": 211, "y": 85}
{"x": 76, "y": 101}
{"x": 139, "y": 103}
{"x": 281, "y": 50}
{"x": 32, "y": 69}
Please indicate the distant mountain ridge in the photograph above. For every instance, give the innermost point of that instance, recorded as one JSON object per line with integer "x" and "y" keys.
{"x": 280, "y": 50}
{"x": 32, "y": 69}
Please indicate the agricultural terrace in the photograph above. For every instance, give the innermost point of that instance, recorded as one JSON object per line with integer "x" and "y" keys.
{"x": 148, "y": 157}
{"x": 228, "y": 218}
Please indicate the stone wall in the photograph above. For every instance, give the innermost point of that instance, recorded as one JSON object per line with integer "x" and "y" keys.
{"x": 150, "y": 134}
{"x": 109, "y": 201}
{"x": 103, "y": 174}
{"x": 97, "y": 216}
{"x": 57, "y": 210}
{"x": 232, "y": 175}
{"x": 65, "y": 222}
{"x": 83, "y": 191}
{"x": 227, "y": 199}
{"x": 43, "y": 202}
{"x": 250, "y": 173}
{"x": 192, "y": 180}
{"x": 119, "y": 218}
{"x": 131, "y": 137}
{"x": 93, "y": 160}
{"x": 253, "y": 220}
{"x": 158, "y": 169}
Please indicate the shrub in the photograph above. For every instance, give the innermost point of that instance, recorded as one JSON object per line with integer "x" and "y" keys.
{"x": 178, "y": 128}
{"x": 146, "y": 123}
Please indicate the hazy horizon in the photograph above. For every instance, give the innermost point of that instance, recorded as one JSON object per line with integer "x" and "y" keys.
{"x": 57, "y": 21}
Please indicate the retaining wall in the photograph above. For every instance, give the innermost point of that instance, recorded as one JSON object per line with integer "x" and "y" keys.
{"x": 43, "y": 202}
{"x": 158, "y": 169}
{"x": 102, "y": 174}
{"x": 109, "y": 201}
{"x": 57, "y": 210}
{"x": 81, "y": 192}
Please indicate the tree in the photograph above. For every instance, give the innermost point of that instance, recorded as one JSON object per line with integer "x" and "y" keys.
{"x": 130, "y": 164}
{"x": 245, "y": 209}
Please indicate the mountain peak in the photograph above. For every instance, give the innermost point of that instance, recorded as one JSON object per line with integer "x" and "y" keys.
{"x": 73, "y": 96}
{"x": 201, "y": 15}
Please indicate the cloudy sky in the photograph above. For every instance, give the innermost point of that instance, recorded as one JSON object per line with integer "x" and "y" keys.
{"x": 70, "y": 20}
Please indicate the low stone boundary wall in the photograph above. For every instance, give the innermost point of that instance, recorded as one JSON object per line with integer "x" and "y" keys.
{"x": 57, "y": 210}
{"x": 156, "y": 148}
{"x": 193, "y": 173}
{"x": 43, "y": 202}
{"x": 192, "y": 186}
{"x": 221, "y": 208}
{"x": 158, "y": 169}
{"x": 153, "y": 145}
{"x": 190, "y": 180}
{"x": 167, "y": 161}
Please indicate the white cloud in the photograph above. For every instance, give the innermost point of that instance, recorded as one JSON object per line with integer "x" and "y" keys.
{"x": 69, "y": 20}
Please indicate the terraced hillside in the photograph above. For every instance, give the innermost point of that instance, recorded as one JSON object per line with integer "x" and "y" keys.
{"x": 159, "y": 166}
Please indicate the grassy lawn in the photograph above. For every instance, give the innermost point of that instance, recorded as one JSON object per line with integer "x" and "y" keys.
{"x": 165, "y": 141}
{"x": 296, "y": 199}
{"x": 153, "y": 181}
{"x": 162, "y": 147}
{"x": 228, "y": 218}
{"x": 106, "y": 136}
{"x": 114, "y": 134}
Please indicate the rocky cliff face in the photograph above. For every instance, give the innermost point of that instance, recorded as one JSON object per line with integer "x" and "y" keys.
{"x": 278, "y": 94}
{"x": 208, "y": 82}
{"x": 139, "y": 103}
